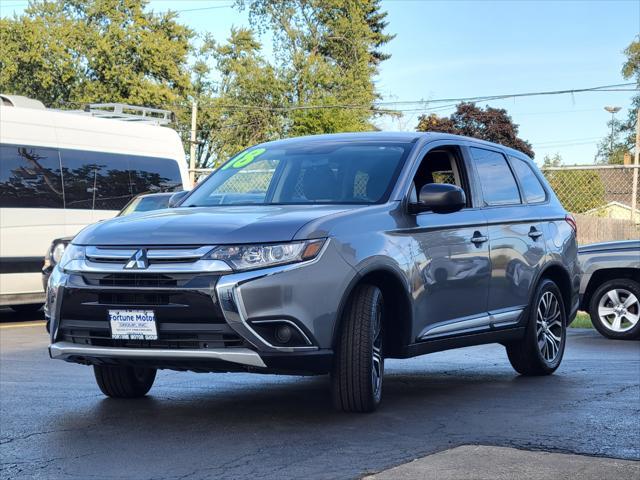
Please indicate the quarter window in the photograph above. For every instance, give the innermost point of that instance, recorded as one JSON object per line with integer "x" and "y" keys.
{"x": 531, "y": 186}
{"x": 30, "y": 178}
{"x": 498, "y": 184}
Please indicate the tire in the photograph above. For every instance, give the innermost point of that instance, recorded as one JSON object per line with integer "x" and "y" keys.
{"x": 358, "y": 367}
{"x": 26, "y": 308}
{"x": 623, "y": 321}
{"x": 124, "y": 382}
{"x": 541, "y": 349}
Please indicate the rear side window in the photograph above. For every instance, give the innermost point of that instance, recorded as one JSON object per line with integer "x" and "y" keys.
{"x": 531, "y": 187}
{"x": 30, "y": 178}
{"x": 154, "y": 175}
{"x": 498, "y": 184}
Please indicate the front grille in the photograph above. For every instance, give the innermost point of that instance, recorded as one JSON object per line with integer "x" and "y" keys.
{"x": 152, "y": 280}
{"x": 141, "y": 299}
{"x": 170, "y": 336}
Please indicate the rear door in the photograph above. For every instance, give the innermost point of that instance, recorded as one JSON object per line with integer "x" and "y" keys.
{"x": 516, "y": 243}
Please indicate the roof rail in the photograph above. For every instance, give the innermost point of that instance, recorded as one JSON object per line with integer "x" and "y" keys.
{"x": 130, "y": 113}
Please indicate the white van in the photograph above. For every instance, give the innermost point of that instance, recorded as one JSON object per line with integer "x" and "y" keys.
{"x": 60, "y": 171}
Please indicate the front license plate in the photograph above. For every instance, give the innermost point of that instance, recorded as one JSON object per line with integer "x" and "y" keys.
{"x": 133, "y": 324}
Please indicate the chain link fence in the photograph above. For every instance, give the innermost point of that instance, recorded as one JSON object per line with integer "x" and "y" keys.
{"x": 599, "y": 196}
{"x": 601, "y": 199}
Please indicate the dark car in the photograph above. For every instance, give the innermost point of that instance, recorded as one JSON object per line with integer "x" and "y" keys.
{"x": 326, "y": 254}
{"x": 142, "y": 203}
{"x": 610, "y": 287}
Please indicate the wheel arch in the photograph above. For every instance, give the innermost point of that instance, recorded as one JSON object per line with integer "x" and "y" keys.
{"x": 394, "y": 289}
{"x": 558, "y": 273}
{"x": 603, "y": 275}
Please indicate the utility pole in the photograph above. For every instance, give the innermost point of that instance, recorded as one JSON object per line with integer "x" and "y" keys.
{"x": 192, "y": 142}
{"x": 636, "y": 167}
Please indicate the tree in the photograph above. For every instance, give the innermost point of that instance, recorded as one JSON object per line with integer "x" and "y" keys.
{"x": 328, "y": 52}
{"x": 71, "y": 52}
{"x": 577, "y": 190}
{"x": 612, "y": 148}
{"x": 631, "y": 70}
{"x": 240, "y": 107}
{"x": 492, "y": 124}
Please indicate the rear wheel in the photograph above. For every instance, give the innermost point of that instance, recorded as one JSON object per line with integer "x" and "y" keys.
{"x": 358, "y": 368}
{"x": 124, "y": 382}
{"x": 615, "y": 309}
{"x": 541, "y": 349}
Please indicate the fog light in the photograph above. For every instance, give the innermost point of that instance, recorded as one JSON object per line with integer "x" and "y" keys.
{"x": 284, "y": 333}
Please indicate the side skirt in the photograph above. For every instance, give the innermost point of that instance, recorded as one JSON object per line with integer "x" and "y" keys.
{"x": 440, "y": 344}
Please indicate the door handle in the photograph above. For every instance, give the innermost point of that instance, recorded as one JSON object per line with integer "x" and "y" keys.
{"x": 478, "y": 238}
{"x": 535, "y": 233}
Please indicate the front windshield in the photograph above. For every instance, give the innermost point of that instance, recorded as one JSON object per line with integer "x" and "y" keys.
{"x": 305, "y": 173}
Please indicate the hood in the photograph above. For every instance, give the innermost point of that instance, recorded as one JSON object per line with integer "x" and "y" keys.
{"x": 207, "y": 225}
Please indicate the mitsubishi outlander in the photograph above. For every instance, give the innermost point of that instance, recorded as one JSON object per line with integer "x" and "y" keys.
{"x": 325, "y": 255}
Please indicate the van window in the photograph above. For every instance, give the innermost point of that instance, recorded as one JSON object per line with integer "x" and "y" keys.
{"x": 107, "y": 181}
{"x": 154, "y": 175}
{"x": 96, "y": 180}
{"x": 498, "y": 184}
{"x": 531, "y": 187}
{"x": 30, "y": 177}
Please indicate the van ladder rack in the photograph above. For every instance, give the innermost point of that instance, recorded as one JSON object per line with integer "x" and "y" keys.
{"x": 130, "y": 113}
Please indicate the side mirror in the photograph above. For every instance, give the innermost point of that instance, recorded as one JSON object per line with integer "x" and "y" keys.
{"x": 440, "y": 198}
{"x": 176, "y": 198}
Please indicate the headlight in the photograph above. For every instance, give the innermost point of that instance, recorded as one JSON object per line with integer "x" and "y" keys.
{"x": 57, "y": 252}
{"x": 247, "y": 257}
{"x": 71, "y": 252}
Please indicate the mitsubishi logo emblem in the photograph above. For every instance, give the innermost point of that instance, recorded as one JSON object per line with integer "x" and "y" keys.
{"x": 138, "y": 261}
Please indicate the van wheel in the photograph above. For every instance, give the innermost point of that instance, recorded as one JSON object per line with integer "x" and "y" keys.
{"x": 615, "y": 309}
{"x": 541, "y": 349}
{"x": 124, "y": 382}
{"x": 358, "y": 367}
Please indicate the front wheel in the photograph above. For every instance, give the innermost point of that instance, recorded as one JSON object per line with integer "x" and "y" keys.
{"x": 124, "y": 382}
{"x": 615, "y": 309}
{"x": 356, "y": 378}
{"x": 541, "y": 349}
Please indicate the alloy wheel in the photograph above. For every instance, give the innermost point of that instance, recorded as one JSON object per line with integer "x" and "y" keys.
{"x": 549, "y": 327}
{"x": 619, "y": 310}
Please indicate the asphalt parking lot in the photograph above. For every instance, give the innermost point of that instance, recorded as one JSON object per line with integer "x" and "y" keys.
{"x": 56, "y": 424}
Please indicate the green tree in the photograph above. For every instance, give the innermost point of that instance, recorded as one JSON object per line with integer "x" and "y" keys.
{"x": 577, "y": 190}
{"x": 72, "y": 52}
{"x": 328, "y": 52}
{"x": 612, "y": 148}
{"x": 631, "y": 70}
{"x": 491, "y": 124}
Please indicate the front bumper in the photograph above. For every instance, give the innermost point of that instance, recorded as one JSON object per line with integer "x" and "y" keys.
{"x": 290, "y": 293}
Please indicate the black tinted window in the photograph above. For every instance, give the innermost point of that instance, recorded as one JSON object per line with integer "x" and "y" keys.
{"x": 107, "y": 181}
{"x": 96, "y": 180}
{"x": 498, "y": 185}
{"x": 154, "y": 175}
{"x": 532, "y": 189}
{"x": 30, "y": 177}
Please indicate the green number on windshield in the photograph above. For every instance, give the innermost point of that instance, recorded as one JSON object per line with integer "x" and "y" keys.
{"x": 245, "y": 159}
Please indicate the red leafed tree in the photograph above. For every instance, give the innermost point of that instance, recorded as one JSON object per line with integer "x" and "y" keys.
{"x": 491, "y": 124}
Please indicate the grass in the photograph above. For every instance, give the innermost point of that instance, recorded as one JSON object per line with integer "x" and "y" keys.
{"x": 583, "y": 320}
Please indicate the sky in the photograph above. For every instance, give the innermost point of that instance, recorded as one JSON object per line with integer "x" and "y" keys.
{"x": 454, "y": 49}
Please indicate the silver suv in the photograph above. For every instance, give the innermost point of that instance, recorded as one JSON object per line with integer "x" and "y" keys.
{"x": 325, "y": 254}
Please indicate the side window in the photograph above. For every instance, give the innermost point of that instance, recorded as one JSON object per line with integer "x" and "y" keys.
{"x": 498, "y": 185}
{"x": 442, "y": 165}
{"x": 30, "y": 177}
{"x": 96, "y": 180}
{"x": 531, "y": 186}
{"x": 154, "y": 175}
